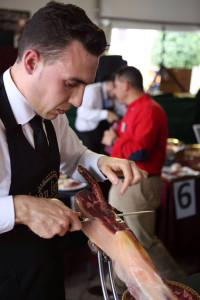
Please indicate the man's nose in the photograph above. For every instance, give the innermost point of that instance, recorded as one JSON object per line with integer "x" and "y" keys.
{"x": 77, "y": 101}
{"x": 78, "y": 98}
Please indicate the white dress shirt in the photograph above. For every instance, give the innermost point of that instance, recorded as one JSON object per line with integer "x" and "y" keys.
{"x": 71, "y": 149}
{"x": 92, "y": 111}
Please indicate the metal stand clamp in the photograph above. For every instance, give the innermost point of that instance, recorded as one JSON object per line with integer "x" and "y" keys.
{"x": 103, "y": 258}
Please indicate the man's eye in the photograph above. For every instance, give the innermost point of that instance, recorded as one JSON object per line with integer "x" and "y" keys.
{"x": 68, "y": 84}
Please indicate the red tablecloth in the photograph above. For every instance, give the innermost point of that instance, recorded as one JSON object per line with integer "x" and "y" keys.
{"x": 180, "y": 236}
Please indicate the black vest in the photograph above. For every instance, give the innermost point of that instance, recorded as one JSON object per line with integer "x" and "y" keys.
{"x": 30, "y": 267}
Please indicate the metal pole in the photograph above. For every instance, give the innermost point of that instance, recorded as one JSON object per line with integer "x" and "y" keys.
{"x": 102, "y": 277}
{"x": 112, "y": 282}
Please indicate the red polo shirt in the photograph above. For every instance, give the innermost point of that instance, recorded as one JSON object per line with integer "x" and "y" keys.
{"x": 142, "y": 135}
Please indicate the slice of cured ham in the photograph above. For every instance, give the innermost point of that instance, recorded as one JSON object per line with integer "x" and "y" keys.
{"x": 111, "y": 234}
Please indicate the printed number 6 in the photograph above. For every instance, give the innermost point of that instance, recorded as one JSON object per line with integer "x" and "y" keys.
{"x": 184, "y": 198}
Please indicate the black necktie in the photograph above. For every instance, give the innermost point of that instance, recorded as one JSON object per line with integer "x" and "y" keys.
{"x": 39, "y": 135}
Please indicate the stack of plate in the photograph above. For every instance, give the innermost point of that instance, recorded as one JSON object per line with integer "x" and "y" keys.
{"x": 173, "y": 147}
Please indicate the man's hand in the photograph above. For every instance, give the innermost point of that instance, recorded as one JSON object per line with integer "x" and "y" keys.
{"x": 44, "y": 216}
{"x": 108, "y": 137}
{"x": 113, "y": 167}
{"x": 112, "y": 117}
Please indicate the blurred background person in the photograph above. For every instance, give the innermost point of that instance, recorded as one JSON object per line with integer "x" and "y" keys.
{"x": 141, "y": 136}
{"x": 97, "y": 112}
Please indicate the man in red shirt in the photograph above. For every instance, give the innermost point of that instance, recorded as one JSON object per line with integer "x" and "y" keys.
{"x": 141, "y": 136}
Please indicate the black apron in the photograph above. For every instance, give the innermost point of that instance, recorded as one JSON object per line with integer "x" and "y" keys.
{"x": 30, "y": 267}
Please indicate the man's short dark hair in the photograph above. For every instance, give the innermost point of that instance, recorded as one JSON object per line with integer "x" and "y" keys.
{"x": 55, "y": 26}
{"x": 132, "y": 75}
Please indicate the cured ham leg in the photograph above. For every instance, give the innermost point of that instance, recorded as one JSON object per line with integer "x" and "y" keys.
{"x": 111, "y": 234}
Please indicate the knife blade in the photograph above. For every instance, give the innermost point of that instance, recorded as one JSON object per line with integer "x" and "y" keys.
{"x": 118, "y": 215}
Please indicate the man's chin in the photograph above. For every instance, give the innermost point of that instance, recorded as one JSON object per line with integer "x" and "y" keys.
{"x": 54, "y": 117}
{"x": 55, "y": 114}
{"x": 50, "y": 116}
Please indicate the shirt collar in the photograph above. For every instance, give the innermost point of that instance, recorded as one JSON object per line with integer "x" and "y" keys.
{"x": 22, "y": 110}
{"x": 144, "y": 97}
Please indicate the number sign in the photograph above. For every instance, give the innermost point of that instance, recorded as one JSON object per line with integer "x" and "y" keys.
{"x": 184, "y": 197}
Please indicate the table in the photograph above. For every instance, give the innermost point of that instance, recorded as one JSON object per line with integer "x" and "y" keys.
{"x": 178, "y": 216}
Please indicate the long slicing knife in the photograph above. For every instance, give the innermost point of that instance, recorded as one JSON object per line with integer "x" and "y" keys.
{"x": 118, "y": 215}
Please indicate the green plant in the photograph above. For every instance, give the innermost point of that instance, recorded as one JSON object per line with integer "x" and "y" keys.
{"x": 176, "y": 49}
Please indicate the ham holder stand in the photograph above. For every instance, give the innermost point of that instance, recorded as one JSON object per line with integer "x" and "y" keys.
{"x": 103, "y": 258}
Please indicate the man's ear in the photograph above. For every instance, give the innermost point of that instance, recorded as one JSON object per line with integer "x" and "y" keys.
{"x": 31, "y": 59}
{"x": 126, "y": 85}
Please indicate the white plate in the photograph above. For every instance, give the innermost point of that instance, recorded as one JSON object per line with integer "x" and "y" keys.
{"x": 81, "y": 185}
{"x": 167, "y": 172}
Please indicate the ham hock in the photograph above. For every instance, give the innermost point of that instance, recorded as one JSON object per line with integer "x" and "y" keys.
{"x": 111, "y": 234}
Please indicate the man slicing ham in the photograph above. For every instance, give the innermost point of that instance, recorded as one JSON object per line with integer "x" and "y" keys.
{"x": 58, "y": 54}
